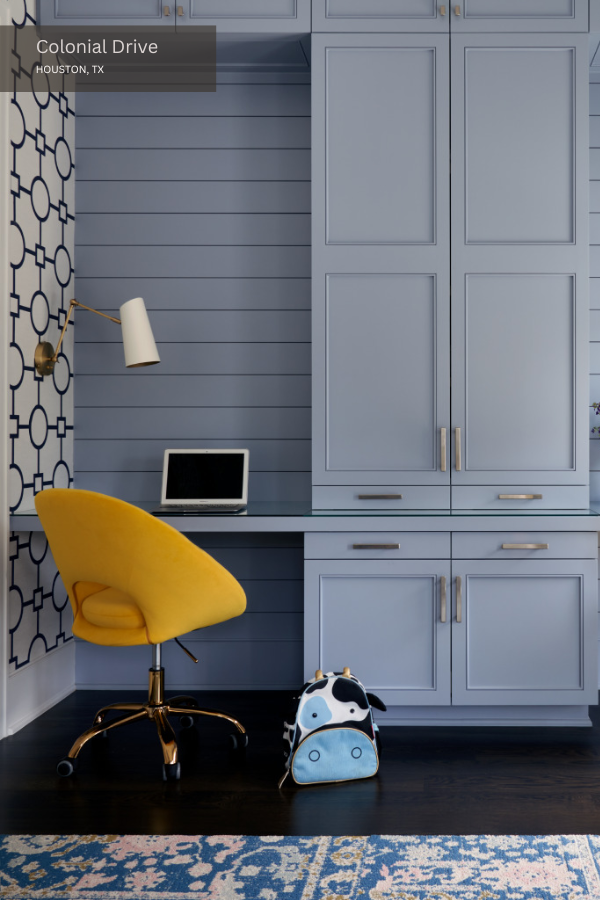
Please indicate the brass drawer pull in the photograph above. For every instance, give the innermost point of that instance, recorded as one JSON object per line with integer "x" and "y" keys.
{"x": 443, "y": 598}
{"x": 458, "y": 598}
{"x": 520, "y": 496}
{"x": 457, "y": 10}
{"x": 380, "y": 496}
{"x": 375, "y": 546}
{"x": 442, "y": 10}
{"x": 180, "y": 10}
{"x": 167, "y": 11}
{"x": 457, "y": 449}
{"x": 525, "y": 546}
{"x": 443, "y": 449}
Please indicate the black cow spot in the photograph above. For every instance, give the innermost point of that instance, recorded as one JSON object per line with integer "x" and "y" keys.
{"x": 347, "y": 691}
{"x": 317, "y": 686}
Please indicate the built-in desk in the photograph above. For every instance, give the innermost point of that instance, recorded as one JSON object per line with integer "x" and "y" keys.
{"x": 296, "y": 516}
{"x": 451, "y": 617}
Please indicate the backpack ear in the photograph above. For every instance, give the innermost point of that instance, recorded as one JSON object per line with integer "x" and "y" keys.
{"x": 376, "y": 702}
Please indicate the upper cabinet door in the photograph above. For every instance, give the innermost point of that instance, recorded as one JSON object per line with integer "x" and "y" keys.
{"x": 106, "y": 12}
{"x": 380, "y": 15}
{"x": 519, "y": 15}
{"x": 239, "y": 16}
{"x": 380, "y": 262}
{"x": 519, "y": 263}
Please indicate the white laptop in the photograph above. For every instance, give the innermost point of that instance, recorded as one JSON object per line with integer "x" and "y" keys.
{"x": 204, "y": 481}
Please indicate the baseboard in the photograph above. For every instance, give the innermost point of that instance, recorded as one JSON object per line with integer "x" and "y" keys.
{"x": 503, "y": 716}
{"x": 37, "y": 687}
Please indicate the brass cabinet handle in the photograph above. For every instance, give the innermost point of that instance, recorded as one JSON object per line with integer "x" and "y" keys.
{"x": 520, "y": 496}
{"x": 380, "y": 496}
{"x": 443, "y": 448}
{"x": 166, "y": 11}
{"x": 457, "y": 10}
{"x": 458, "y": 460}
{"x": 458, "y": 598}
{"x": 375, "y": 546}
{"x": 443, "y": 598}
{"x": 180, "y": 10}
{"x": 525, "y": 546}
{"x": 442, "y": 10}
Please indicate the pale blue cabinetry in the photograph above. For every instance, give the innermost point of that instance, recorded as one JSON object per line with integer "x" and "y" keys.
{"x": 519, "y": 270}
{"x": 380, "y": 271}
{"x": 527, "y": 632}
{"x": 514, "y": 625}
{"x": 380, "y": 15}
{"x": 386, "y": 618}
{"x": 467, "y": 15}
{"x": 238, "y": 16}
{"x": 386, "y": 432}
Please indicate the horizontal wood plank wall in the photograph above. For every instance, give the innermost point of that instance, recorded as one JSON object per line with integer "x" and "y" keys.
{"x": 263, "y": 648}
{"x": 200, "y": 203}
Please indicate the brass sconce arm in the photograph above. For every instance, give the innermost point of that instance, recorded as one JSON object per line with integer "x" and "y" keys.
{"x": 138, "y": 341}
{"x": 46, "y": 356}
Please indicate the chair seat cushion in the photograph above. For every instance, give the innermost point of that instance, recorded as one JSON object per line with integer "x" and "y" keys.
{"x": 110, "y": 608}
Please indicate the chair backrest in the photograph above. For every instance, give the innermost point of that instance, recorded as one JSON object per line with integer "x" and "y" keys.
{"x": 99, "y": 539}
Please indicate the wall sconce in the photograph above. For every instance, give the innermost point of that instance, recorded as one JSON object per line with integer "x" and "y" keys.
{"x": 138, "y": 340}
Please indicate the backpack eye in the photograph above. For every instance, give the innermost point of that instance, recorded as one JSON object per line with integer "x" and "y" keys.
{"x": 314, "y": 715}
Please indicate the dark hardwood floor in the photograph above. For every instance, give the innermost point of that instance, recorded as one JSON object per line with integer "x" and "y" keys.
{"x": 431, "y": 780}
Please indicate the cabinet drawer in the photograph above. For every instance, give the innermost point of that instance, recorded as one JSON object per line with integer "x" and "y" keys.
{"x": 377, "y": 545}
{"x": 380, "y": 496}
{"x": 525, "y": 545}
{"x": 523, "y": 497}
{"x": 378, "y": 15}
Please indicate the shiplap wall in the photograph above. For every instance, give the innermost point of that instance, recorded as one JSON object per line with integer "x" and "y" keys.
{"x": 200, "y": 203}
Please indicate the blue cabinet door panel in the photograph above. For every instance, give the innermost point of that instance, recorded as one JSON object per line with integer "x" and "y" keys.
{"x": 103, "y": 12}
{"x": 380, "y": 263}
{"x": 527, "y": 632}
{"x": 519, "y": 264}
{"x": 383, "y": 620}
{"x": 243, "y": 16}
{"x": 379, "y": 15}
{"x": 521, "y": 15}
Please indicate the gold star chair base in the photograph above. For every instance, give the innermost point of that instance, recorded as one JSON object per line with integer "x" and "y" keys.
{"x": 158, "y": 710}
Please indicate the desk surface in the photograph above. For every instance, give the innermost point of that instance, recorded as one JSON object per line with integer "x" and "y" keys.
{"x": 295, "y": 516}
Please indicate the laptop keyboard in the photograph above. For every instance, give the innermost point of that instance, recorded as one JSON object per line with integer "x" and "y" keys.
{"x": 201, "y": 506}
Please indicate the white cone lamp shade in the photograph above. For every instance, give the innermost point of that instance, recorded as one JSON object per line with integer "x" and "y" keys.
{"x": 138, "y": 340}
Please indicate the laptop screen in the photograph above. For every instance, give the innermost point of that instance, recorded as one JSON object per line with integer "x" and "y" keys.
{"x": 205, "y": 476}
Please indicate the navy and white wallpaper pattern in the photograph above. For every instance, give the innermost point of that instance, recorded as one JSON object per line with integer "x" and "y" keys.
{"x": 42, "y": 131}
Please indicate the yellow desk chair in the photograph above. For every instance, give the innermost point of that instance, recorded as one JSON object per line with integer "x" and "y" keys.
{"x": 133, "y": 579}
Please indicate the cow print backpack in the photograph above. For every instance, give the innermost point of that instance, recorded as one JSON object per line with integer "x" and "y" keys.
{"x": 331, "y": 735}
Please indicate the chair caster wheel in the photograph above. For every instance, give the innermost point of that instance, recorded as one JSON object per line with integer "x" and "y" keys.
{"x": 66, "y": 767}
{"x": 238, "y": 741}
{"x": 186, "y": 722}
{"x": 171, "y": 771}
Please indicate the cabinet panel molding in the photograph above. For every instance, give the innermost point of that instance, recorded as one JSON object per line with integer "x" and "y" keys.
{"x": 380, "y": 377}
{"x": 522, "y": 15}
{"x": 384, "y": 619}
{"x": 519, "y": 181}
{"x": 380, "y": 156}
{"x": 379, "y": 15}
{"x": 528, "y": 633}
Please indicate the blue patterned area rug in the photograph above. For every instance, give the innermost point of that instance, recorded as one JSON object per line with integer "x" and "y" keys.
{"x": 229, "y": 867}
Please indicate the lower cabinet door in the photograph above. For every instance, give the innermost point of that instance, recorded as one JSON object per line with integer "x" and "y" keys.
{"x": 387, "y": 620}
{"x": 524, "y": 632}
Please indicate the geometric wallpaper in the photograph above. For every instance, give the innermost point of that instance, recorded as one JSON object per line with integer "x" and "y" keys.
{"x": 42, "y": 136}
